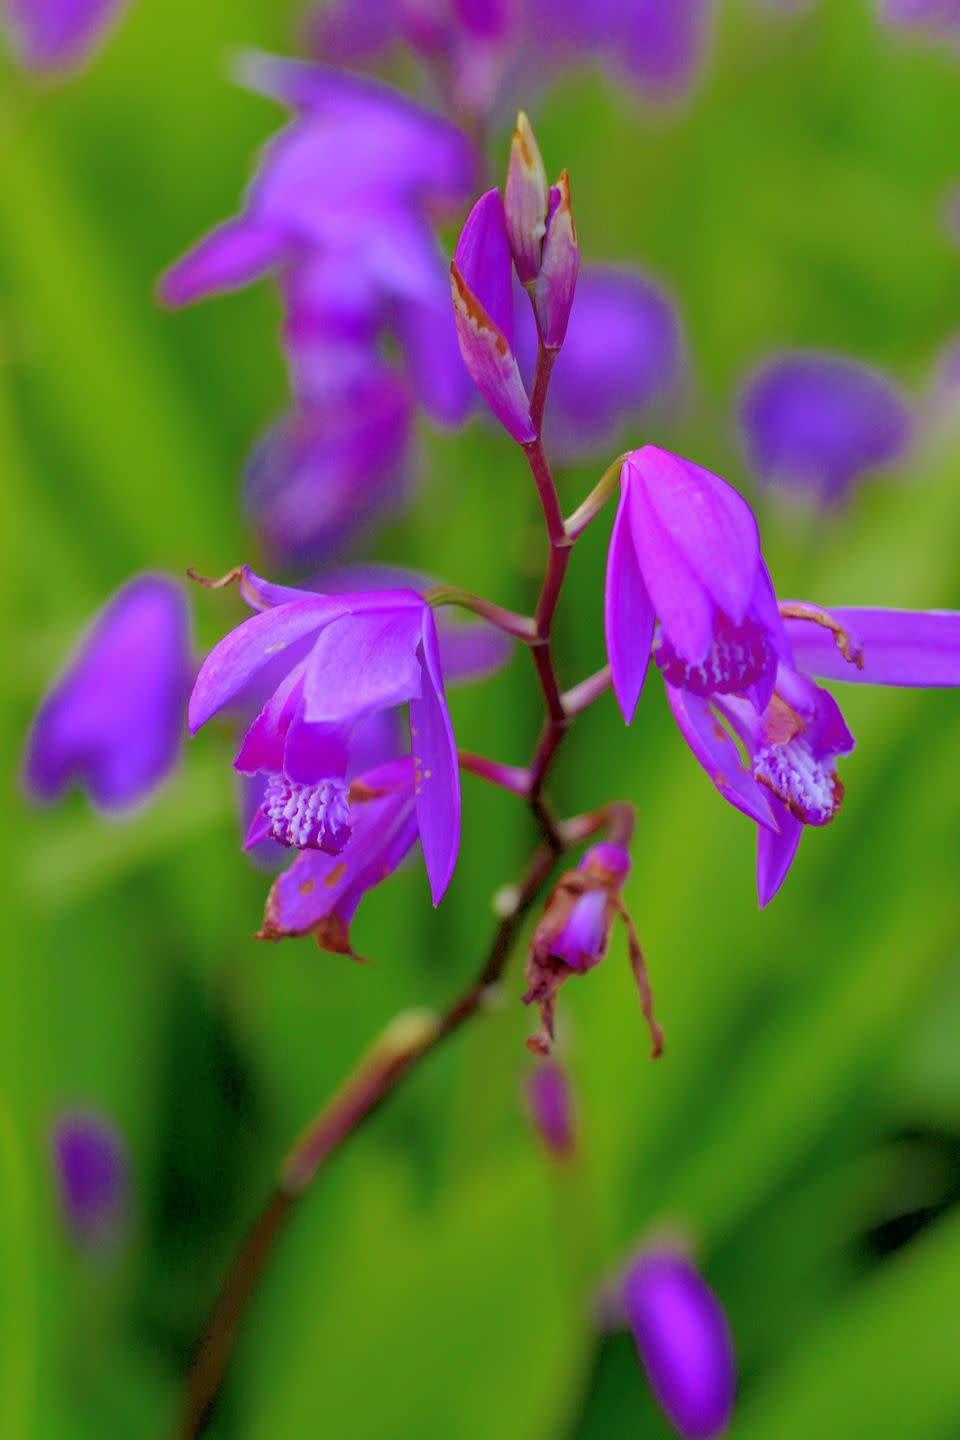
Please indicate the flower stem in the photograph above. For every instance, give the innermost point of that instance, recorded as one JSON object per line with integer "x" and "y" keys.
{"x": 398, "y": 1049}
{"x": 514, "y": 778}
{"x": 590, "y": 508}
{"x": 521, "y": 627}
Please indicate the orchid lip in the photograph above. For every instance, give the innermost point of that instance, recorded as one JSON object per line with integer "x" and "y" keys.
{"x": 808, "y": 787}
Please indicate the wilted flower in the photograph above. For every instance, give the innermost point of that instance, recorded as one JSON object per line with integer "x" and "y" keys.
{"x": 573, "y": 935}
{"x": 684, "y": 1342}
{"x": 114, "y": 720}
{"x": 685, "y": 551}
{"x": 821, "y": 423}
{"x": 57, "y": 35}
{"x": 92, "y": 1170}
{"x": 320, "y": 665}
{"x": 550, "y": 1105}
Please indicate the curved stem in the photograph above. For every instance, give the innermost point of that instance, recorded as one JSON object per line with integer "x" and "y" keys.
{"x": 399, "y": 1048}
{"x": 590, "y": 508}
{"x": 581, "y": 696}
{"x": 521, "y": 627}
{"x": 508, "y": 777}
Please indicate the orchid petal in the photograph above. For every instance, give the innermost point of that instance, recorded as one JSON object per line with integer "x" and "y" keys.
{"x": 362, "y": 663}
{"x": 716, "y": 752}
{"x": 775, "y": 852}
{"x": 900, "y": 647}
{"x": 628, "y": 614}
{"x": 437, "y": 768}
{"x": 231, "y": 256}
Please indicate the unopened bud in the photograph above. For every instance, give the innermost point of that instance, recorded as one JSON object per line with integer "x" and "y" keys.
{"x": 481, "y": 281}
{"x": 550, "y": 1104}
{"x": 684, "y": 1342}
{"x": 560, "y": 264}
{"x": 526, "y": 197}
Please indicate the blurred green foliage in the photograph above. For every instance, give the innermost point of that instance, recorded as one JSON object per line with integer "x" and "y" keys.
{"x": 805, "y": 1124}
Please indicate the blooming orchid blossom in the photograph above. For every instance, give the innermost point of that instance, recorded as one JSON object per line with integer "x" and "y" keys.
{"x": 114, "y": 721}
{"x": 320, "y": 665}
{"x": 685, "y": 551}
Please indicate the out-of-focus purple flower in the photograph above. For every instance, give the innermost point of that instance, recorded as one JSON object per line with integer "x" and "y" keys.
{"x": 341, "y": 210}
{"x": 58, "y": 35}
{"x": 322, "y": 475}
{"x": 574, "y": 932}
{"x": 320, "y": 893}
{"x": 482, "y": 288}
{"x": 550, "y": 1104}
{"x": 821, "y": 423}
{"x": 320, "y": 665}
{"x": 92, "y": 1170}
{"x": 114, "y": 720}
{"x": 939, "y": 18}
{"x": 623, "y": 351}
{"x": 684, "y": 1342}
{"x": 685, "y": 551}
{"x": 477, "y": 49}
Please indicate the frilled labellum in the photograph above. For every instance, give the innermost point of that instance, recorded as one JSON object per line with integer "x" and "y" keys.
{"x": 573, "y": 935}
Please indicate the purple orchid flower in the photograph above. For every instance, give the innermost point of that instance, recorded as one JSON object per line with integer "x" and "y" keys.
{"x": 92, "y": 1170}
{"x": 685, "y": 551}
{"x": 58, "y": 35}
{"x": 821, "y": 423}
{"x": 550, "y": 1106}
{"x": 320, "y": 665}
{"x": 115, "y": 718}
{"x": 684, "y": 1342}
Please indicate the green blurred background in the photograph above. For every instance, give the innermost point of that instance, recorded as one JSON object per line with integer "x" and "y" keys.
{"x": 805, "y": 1125}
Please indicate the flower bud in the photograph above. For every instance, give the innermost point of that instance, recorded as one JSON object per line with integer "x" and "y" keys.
{"x": 92, "y": 1170}
{"x": 526, "y": 197}
{"x": 550, "y": 1105}
{"x": 560, "y": 263}
{"x": 481, "y": 279}
{"x": 684, "y": 1342}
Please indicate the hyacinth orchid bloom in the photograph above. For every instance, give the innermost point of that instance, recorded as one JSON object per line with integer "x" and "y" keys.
{"x": 551, "y": 1109}
{"x": 320, "y": 665}
{"x": 685, "y": 551}
{"x": 114, "y": 721}
{"x": 683, "y": 1341}
{"x": 58, "y": 35}
{"x": 573, "y": 934}
{"x": 821, "y": 423}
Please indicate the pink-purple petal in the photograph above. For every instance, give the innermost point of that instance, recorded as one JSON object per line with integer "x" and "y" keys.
{"x": 437, "y": 768}
{"x": 628, "y": 614}
{"x": 229, "y": 257}
{"x": 363, "y": 663}
{"x": 900, "y": 647}
{"x": 775, "y": 852}
{"x": 714, "y": 749}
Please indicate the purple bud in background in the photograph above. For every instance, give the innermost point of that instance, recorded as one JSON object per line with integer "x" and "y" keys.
{"x": 57, "y": 35}
{"x": 821, "y": 423}
{"x": 526, "y": 198}
{"x": 939, "y": 18}
{"x": 550, "y": 1104}
{"x": 557, "y": 279}
{"x": 482, "y": 286}
{"x": 92, "y": 1171}
{"x": 115, "y": 719}
{"x": 684, "y": 1343}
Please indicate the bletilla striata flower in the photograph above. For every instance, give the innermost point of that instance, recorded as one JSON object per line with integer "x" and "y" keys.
{"x": 58, "y": 35}
{"x": 573, "y": 934}
{"x": 821, "y": 423}
{"x": 683, "y": 1340}
{"x": 685, "y": 552}
{"x": 319, "y": 666}
{"x": 114, "y": 720}
{"x": 551, "y": 1109}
